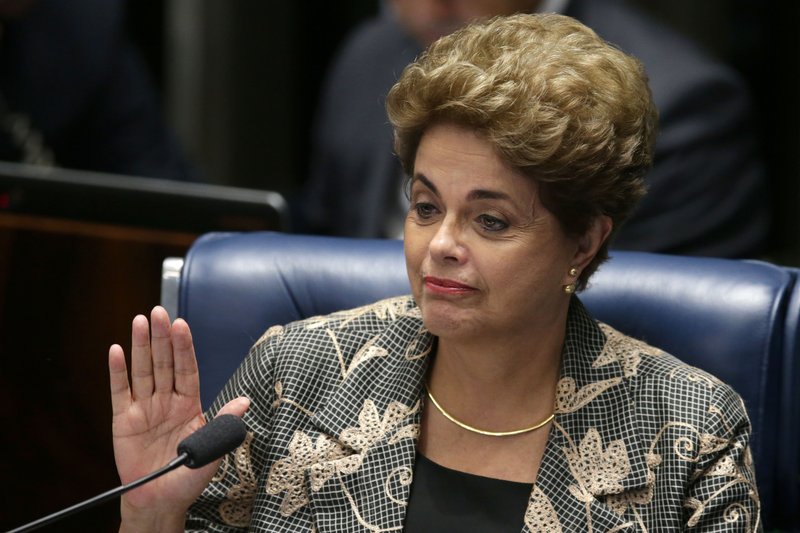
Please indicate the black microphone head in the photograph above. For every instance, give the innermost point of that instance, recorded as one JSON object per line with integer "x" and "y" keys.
{"x": 220, "y": 436}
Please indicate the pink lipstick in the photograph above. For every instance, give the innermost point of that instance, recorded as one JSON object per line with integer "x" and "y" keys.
{"x": 446, "y": 286}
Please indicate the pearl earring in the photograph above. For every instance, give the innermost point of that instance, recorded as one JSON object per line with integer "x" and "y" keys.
{"x": 570, "y": 288}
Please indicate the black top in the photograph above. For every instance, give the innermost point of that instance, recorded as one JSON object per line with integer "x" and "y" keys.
{"x": 445, "y": 500}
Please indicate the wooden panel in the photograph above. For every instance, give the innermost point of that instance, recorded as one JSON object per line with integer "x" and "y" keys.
{"x": 67, "y": 292}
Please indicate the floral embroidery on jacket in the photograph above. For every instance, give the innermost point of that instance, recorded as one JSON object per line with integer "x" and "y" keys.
{"x": 540, "y": 514}
{"x": 327, "y": 457}
{"x": 569, "y": 400}
{"x": 274, "y": 331}
{"x": 598, "y": 471}
{"x": 624, "y": 501}
{"x": 288, "y": 474}
{"x": 237, "y": 508}
{"x": 365, "y": 353}
{"x": 624, "y": 350}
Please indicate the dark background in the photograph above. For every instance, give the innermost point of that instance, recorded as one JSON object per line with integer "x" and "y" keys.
{"x": 277, "y": 57}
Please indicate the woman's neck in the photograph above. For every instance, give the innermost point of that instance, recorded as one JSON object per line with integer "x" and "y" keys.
{"x": 499, "y": 379}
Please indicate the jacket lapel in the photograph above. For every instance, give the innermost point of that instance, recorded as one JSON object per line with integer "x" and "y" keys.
{"x": 373, "y": 417}
{"x": 594, "y": 464}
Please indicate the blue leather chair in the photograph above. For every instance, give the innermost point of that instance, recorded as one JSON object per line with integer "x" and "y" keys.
{"x": 739, "y": 320}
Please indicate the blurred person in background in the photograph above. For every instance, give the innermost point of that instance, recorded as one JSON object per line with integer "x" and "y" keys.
{"x": 74, "y": 92}
{"x": 707, "y": 190}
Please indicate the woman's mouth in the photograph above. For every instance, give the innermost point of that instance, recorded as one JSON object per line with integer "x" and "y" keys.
{"x": 446, "y": 286}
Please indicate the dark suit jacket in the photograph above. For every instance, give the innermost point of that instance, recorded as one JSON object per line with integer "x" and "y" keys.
{"x": 640, "y": 441}
{"x": 70, "y": 69}
{"x": 707, "y": 191}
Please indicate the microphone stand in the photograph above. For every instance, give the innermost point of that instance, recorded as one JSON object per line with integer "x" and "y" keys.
{"x": 218, "y": 437}
{"x": 100, "y": 498}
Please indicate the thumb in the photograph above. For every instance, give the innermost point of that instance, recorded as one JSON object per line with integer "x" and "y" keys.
{"x": 237, "y": 406}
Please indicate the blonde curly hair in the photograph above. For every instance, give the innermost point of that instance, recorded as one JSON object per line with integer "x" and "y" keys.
{"x": 557, "y": 102}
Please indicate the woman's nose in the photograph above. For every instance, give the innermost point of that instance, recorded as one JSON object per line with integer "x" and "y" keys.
{"x": 447, "y": 243}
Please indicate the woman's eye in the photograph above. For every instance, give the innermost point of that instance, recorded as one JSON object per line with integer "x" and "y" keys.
{"x": 491, "y": 223}
{"x": 424, "y": 210}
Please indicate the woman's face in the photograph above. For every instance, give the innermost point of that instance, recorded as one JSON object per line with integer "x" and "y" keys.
{"x": 484, "y": 256}
{"x": 427, "y": 20}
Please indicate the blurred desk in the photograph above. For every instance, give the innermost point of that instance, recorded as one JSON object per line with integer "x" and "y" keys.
{"x": 68, "y": 290}
{"x": 80, "y": 256}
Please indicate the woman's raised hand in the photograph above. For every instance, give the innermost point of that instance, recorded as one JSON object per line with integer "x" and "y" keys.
{"x": 152, "y": 413}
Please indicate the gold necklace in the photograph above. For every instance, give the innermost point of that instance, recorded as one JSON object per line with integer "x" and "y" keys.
{"x": 461, "y": 424}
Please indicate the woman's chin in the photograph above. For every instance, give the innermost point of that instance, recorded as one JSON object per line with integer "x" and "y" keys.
{"x": 445, "y": 320}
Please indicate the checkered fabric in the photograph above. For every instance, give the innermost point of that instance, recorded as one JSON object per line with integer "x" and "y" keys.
{"x": 640, "y": 441}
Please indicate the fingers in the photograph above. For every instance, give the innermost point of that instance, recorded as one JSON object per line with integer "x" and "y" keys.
{"x": 162, "y": 358}
{"x": 187, "y": 379}
{"x": 141, "y": 359}
{"x": 161, "y": 350}
{"x": 118, "y": 377}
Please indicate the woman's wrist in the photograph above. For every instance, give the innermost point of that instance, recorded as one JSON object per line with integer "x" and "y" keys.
{"x": 151, "y": 520}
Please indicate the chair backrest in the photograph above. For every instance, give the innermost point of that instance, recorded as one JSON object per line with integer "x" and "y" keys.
{"x": 735, "y": 319}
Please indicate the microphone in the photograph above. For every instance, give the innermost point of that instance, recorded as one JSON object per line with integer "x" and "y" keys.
{"x": 221, "y": 435}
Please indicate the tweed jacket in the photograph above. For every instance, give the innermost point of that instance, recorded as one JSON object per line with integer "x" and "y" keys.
{"x": 640, "y": 441}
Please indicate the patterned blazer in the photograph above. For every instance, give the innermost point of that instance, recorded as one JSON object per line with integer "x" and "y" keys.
{"x": 640, "y": 441}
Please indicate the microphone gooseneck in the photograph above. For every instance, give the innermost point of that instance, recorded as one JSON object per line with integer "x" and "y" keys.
{"x": 221, "y": 435}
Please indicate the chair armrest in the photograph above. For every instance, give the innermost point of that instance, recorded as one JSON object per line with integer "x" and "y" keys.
{"x": 170, "y": 284}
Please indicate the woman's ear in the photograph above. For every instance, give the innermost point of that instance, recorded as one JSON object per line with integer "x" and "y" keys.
{"x": 591, "y": 241}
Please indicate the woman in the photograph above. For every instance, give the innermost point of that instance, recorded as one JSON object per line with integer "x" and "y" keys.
{"x": 491, "y": 400}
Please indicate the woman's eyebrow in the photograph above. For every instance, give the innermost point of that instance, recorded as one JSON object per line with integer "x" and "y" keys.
{"x": 487, "y": 194}
{"x": 427, "y": 183}
{"x": 476, "y": 194}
